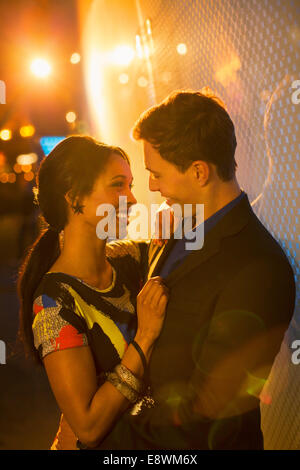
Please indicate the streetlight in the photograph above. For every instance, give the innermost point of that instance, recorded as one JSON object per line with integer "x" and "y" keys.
{"x": 40, "y": 68}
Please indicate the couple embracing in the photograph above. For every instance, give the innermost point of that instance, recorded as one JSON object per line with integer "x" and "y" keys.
{"x": 146, "y": 345}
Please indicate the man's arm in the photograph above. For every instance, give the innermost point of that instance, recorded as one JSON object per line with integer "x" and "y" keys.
{"x": 250, "y": 317}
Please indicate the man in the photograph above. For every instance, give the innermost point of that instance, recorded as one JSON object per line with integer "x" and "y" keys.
{"x": 230, "y": 301}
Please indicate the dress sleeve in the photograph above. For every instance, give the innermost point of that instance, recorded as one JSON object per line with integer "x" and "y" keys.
{"x": 51, "y": 331}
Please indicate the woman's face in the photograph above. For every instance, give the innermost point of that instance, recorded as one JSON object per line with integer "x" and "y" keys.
{"x": 114, "y": 181}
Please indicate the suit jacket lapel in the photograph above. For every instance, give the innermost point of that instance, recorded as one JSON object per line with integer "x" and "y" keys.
{"x": 231, "y": 223}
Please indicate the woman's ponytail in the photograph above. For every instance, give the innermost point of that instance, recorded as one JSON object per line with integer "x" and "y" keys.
{"x": 38, "y": 261}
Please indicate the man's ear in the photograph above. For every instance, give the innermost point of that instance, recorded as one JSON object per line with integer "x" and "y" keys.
{"x": 201, "y": 171}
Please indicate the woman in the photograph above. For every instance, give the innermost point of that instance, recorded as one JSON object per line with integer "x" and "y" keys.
{"x": 84, "y": 295}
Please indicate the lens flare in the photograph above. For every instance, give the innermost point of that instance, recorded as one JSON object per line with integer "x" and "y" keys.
{"x": 122, "y": 55}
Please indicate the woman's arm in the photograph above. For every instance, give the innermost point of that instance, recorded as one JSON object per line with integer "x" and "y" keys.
{"x": 92, "y": 411}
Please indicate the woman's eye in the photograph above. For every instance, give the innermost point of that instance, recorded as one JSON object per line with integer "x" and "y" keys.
{"x": 121, "y": 184}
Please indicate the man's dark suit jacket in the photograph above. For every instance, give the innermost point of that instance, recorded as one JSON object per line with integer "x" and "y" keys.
{"x": 230, "y": 304}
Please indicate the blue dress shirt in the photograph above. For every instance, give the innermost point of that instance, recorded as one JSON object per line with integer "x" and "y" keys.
{"x": 179, "y": 251}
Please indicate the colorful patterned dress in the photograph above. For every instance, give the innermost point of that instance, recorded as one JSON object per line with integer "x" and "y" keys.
{"x": 68, "y": 313}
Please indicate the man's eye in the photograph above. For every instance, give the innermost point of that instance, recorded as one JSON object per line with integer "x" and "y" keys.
{"x": 118, "y": 184}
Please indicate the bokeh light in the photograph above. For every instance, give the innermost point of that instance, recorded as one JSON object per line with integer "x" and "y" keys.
{"x": 40, "y": 68}
{"x": 123, "y": 78}
{"x": 28, "y": 176}
{"x": 142, "y": 82}
{"x": 181, "y": 49}
{"x": 5, "y": 134}
{"x": 27, "y": 159}
{"x": 4, "y": 178}
{"x": 12, "y": 178}
{"x": 27, "y": 131}
{"x": 26, "y": 168}
{"x": 71, "y": 117}
{"x": 75, "y": 58}
{"x": 17, "y": 168}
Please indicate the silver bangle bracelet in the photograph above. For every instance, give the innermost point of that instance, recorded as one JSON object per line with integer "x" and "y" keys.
{"x": 129, "y": 378}
{"x": 122, "y": 387}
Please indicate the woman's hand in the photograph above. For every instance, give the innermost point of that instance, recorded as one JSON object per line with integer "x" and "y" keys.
{"x": 151, "y": 308}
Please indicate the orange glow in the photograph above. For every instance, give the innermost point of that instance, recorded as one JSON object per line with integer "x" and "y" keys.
{"x": 227, "y": 73}
{"x": 26, "y": 168}
{"x": 12, "y": 178}
{"x": 2, "y": 159}
{"x": 113, "y": 107}
{"x": 4, "y": 178}
{"x": 17, "y": 168}
{"x": 29, "y": 176}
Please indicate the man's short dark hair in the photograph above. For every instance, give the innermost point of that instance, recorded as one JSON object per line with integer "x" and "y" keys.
{"x": 189, "y": 126}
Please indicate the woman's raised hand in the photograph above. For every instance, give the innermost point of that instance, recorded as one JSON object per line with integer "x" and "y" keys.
{"x": 151, "y": 308}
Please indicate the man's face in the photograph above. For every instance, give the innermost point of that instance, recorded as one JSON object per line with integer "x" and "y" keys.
{"x": 174, "y": 186}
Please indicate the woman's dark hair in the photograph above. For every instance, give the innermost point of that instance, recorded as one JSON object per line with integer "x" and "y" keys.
{"x": 72, "y": 167}
{"x": 189, "y": 126}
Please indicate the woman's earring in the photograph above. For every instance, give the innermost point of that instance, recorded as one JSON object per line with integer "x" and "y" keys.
{"x": 77, "y": 208}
